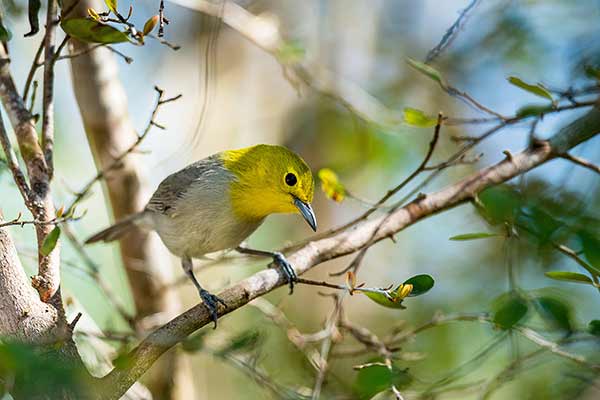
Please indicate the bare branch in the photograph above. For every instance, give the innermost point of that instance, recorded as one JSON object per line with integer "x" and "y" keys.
{"x": 326, "y": 346}
{"x": 35, "y": 64}
{"x": 48, "y": 96}
{"x": 48, "y": 279}
{"x": 582, "y": 162}
{"x": 118, "y": 161}
{"x": 451, "y": 33}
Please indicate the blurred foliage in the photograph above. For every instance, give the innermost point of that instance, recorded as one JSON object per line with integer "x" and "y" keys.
{"x": 377, "y": 377}
{"x": 538, "y": 41}
{"x": 28, "y": 372}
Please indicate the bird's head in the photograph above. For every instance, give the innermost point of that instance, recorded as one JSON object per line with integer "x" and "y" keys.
{"x": 270, "y": 179}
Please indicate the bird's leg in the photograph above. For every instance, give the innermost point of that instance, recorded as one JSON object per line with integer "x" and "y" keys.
{"x": 279, "y": 259}
{"x": 210, "y": 300}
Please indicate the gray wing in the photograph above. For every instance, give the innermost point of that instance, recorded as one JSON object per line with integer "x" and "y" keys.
{"x": 174, "y": 187}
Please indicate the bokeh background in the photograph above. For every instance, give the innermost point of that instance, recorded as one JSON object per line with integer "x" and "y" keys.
{"x": 248, "y": 100}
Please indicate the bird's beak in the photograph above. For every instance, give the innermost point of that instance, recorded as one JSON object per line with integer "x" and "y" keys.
{"x": 307, "y": 212}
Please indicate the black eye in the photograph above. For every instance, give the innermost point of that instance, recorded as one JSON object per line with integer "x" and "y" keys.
{"x": 291, "y": 179}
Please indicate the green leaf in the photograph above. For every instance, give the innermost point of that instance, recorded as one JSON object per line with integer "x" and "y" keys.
{"x": 385, "y": 301}
{"x": 592, "y": 72}
{"x": 421, "y": 284}
{"x": 591, "y": 249}
{"x": 193, "y": 343}
{"x": 291, "y": 52}
{"x": 244, "y": 341}
{"x": 50, "y": 241}
{"x": 532, "y": 110}
{"x": 418, "y": 118}
{"x": 569, "y": 277}
{"x": 509, "y": 310}
{"x": 474, "y": 236}
{"x": 377, "y": 378}
{"x": 42, "y": 374}
{"x": 427, "y": 71}
{"x": 5, "y": 34}
{"x": 555, "y": 312}
{"x": 500, "y": 204}
{"x": 112, "y": 5}
{"x": 594, "y": 327}
{"x": 537, "y": 89}
{"x": 88, "y": 30}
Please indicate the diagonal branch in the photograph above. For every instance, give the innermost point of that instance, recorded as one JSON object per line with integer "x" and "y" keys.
{"x": 451, "y": 33}
{"x": 582, "y": 162}
{"x": 141, "y": 358}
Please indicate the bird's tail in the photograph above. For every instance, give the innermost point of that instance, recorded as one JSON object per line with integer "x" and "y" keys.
{"x": 119, "y": 229}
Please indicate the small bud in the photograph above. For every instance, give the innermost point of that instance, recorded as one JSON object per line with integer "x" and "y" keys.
{"x": 150, "y": 25}
{"x": 60, "y": 212}
{"x": 351, "y": 281}
{"x": 403, "y": 291}
{"x": 92, "y": 13}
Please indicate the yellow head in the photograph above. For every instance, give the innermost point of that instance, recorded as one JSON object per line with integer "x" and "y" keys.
{"x": 270, "y": 179}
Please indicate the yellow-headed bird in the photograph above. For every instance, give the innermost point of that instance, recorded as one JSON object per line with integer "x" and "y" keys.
{"x": 216, "y": 203}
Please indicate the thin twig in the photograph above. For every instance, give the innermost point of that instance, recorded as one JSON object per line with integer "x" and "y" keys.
{"x": 54, "y": 221}
{"x": 13, "y": 165}
{"x": 571, "y": 254}
{"x": 326, "y": 346}
{"x": 451, "y": 33}
{"x": 34, "y": 66}
{"x": 582, "y": 162}
{"x": 117, "y": 162}
{"x": 48, "y": 92}
{"x": 356, "y": 262}
{"x": 87, "y": 50}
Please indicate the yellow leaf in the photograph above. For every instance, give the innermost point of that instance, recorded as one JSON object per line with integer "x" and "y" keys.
{"x": 60, "y": 212}
{"x": 351, "y": 281}
{"x": 418, "y": 118}
{"x": 403, "y": 291}
{"x": 150, "y": 25}
{"x": 331, "y": 185}
{"x": 92, "y": 13}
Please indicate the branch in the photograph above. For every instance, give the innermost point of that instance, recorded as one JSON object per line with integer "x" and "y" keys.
{"x": 350, "y": 241}
{"x": 48, "y": 95}
{"x": 40, "y": 203}
{"x": 582, "y": 162}
{"x": 451, "y": 33}
{"x": 13, "y": 164}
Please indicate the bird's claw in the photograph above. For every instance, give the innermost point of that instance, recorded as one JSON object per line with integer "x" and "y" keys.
{"x": 286, "y": 268}
{"x": 211, "y": 302}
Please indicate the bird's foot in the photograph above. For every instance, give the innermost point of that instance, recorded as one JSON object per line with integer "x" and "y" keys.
{"x": 211, "y": 302}
{"x": 286, "y": 268}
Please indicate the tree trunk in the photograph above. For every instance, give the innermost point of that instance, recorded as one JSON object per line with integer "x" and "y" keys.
{"x": 103, "y": 106}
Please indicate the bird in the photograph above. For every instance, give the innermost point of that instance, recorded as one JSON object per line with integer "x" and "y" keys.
{"x": 217, "y": 202}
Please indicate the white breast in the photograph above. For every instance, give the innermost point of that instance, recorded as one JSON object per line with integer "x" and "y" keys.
{"x": 203, "y": 220}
